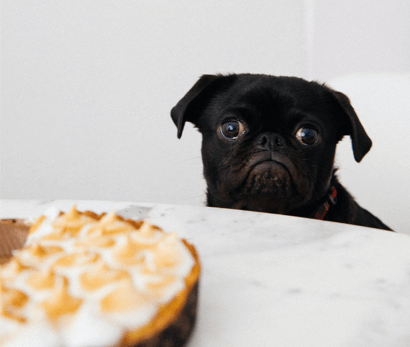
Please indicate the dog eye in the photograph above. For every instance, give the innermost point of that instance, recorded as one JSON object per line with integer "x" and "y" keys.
{"x": 307, "y": 136}
{"x": 232, "y": 130}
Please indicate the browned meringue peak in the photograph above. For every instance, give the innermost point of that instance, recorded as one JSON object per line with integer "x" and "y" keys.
{"x": 130, "y": 252}
{"x": 6, "y": 313}
{"x": 110, "y": 225}
{"x": 95, "y": 242}
{"x": 40, "y": 251}
{"x": 69, "y": 224}
{"x": 12, "y": 269}
{"x": 93, "y": 257}
{"x": 100, "y": 276}
{"x": 12, "y": 297}
{"x": 167, "y": 254}
{"x": 41, "y": 280}
{"x": 36, "y": 254}
{"x": 36, "y": 224}
{"x": 147, "y": 231}
{"x": 159, "y": 284}
{"x": 124, "y": 298}
{"x": 77, "y": 259}
{"x": 60, "y": 302}
{"x": 12, "y": 300}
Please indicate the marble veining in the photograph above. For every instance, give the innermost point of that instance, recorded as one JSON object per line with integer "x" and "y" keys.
{"x": 271, "y": 280}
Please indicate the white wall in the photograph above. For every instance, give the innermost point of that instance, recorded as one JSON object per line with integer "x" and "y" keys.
{"x": 87, "y": 89}
{"x": 87, "y": 86}
{"x": 359, "y": 36}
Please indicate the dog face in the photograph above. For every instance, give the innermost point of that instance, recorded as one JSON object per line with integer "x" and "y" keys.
{"x": 268, "y": 142}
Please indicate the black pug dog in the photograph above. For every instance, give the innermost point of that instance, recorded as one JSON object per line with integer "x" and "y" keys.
{"x": 269, "y": 145}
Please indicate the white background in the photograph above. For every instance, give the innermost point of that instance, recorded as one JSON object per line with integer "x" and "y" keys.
{"x": 87, "y": 87}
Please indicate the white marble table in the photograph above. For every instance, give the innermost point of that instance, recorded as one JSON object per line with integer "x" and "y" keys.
{"x": 271, "y": 280}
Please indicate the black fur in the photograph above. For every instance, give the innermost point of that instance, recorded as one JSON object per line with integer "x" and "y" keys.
{"x": 271, "y": 165}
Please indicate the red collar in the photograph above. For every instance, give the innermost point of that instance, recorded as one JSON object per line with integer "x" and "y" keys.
{"x": 321, "y": 212}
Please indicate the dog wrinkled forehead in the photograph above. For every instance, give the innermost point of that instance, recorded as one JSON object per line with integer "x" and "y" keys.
{"x": 273, "y": 94}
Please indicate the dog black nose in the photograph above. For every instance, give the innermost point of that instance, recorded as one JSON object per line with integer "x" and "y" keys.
{"x": 270, "y": 141}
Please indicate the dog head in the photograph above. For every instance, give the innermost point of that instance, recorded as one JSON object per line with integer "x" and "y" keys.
{"x": 268, "y": 142}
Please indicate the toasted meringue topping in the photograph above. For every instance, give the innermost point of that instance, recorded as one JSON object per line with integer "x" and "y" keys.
{"x": 37, "y": 224}
{"x": 43, "y": 252}
{"x": 95, "y": 242}
{"x": 61, "y": 302}
{"x": 128, "y": 252}
{"x": 167, "y": 254}
{"x": 5, "y": 313}
{"x": 147, "y": 231}
{"x": 110, "y": 224}
{"x": 159, "y": 284}
{"x": 82, "y": 266}
{"x": 12, "y": 297}
{"x": 11, "y": 303}
{"x": 77, "y": 259}
{"x": 69, "y": 224}
{"x": 36, "y": 254}
{"x": 41, "y": 280}
{"x": 12, "y": 269}
{"x": 124, "y": 298}
{"x": 101, "y": 276}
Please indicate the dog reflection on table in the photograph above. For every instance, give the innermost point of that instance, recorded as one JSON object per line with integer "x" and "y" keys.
{"x": 269, "y": 143}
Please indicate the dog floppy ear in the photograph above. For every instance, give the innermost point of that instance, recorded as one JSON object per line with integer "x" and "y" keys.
{"x": 361, "y": 142}
{"x": 189, "y": 107}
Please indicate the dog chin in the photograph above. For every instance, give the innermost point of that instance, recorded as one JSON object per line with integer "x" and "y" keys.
{"x": 267, "y": 188}
{"x": 268, "y": 178}
{"x": 270, "y": 187}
